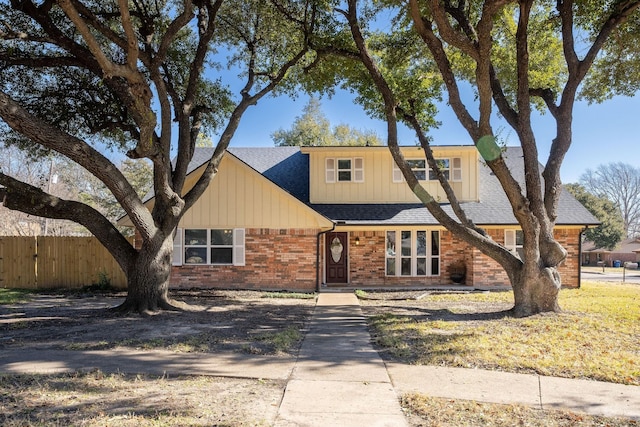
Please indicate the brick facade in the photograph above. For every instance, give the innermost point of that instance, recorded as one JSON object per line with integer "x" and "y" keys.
{"x": 367, "y": 261}
{"x": 485, "y": 272}
{"x": 275, "y": 259}
{"x": 285, "y": 259}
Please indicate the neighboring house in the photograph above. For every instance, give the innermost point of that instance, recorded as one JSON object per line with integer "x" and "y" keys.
{"x": 314, "y": 217}
{"x": 626, "y": 251}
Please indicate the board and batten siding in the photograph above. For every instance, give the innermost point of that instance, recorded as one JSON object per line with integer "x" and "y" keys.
{"x": 239, "y": 197}
{"x": 378, "y": 185}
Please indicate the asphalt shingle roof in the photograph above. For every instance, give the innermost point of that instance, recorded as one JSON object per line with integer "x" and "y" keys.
{"x": 288, "y": 168}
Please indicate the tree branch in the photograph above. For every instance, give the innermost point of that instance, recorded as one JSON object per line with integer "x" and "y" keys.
{"x": 31, "y": 200}
{"x": 80, "y": 152}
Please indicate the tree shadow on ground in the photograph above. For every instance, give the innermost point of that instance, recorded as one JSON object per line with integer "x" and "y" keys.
{"x": 227, "y": 321}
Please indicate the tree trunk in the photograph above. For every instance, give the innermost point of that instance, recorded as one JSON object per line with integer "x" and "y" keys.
{"x": 535, "y": 291}
{"x": 148, "y": 278}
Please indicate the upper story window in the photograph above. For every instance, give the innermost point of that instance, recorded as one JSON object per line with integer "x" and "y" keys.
{"x": 451, "y": 168}
{"x": 344, "y": 169}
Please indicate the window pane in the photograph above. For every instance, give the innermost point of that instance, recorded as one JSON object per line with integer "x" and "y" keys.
{"x": 406, "y": 267}
{"x": 195, "y": 237}
{"x": 421, "y": 267}
{"x": 344, "y": 176}
{"x": 519, "y": 238}
{"x": 406, "y": 243}
{"x": 391, "y": 243}
{"x": 421, "y": 243}
{"x": 358, "y": 162}
{"x": 195, "y": 256}
{"x": 435, "y": 266}
{"x": 222, "y": 237}
{"x": 344, "y": 163}
{"x": 221, "y": 255}
{"x": 391, "y": 266}
{"x": 420, "y": 175}
{"x": 435, "y": 243}
{"x": 443, "y": 163}
{"x": 433, "y": 177}
{"x": 416, "y": 164}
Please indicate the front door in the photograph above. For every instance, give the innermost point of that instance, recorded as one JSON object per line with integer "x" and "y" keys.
{"x": 336, "y": 256}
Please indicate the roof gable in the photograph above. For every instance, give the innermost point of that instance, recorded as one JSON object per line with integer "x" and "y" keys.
{"x": 288, "y": 168}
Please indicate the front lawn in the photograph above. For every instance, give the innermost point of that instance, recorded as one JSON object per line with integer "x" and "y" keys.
{"x": 597, "y": 335}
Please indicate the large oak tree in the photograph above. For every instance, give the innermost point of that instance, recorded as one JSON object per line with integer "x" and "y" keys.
{"x": 517, "y": 56}
{"x": 147, "y": 77}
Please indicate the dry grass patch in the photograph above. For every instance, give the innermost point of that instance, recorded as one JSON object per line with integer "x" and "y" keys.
{"x": 116, "y": 400}
{"x": 12, "y": 296}
{"x": 431, "y": 411}
{"x": 596, "y": 337}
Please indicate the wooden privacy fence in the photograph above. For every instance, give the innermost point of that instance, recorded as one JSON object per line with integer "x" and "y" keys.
{"x": 56, "y": 262}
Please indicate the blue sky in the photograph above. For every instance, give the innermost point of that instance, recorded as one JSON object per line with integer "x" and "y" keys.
{"x": 602, "y": 133}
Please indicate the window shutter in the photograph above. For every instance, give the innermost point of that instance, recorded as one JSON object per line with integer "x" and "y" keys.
{"x": 330, "y": 170}
{"x": 456, "y": 169}
{"x": 238, "y": 247}
{"x": 177, "y": 247}
{"x": 358, "y": 169}
{"x": 397, "y": 173}
{"x": 510, "y": 239}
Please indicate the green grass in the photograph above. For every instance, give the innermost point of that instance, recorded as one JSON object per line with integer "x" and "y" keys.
{"x": 289, "y": 295}
{"x": 13, "y": 296}
{"x": 360, "y": 293}
{"x": 282, "y": 341}
{"x": 595, "y": 337}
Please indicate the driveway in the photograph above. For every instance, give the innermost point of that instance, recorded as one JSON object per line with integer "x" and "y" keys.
{"x": 610, "y": 274}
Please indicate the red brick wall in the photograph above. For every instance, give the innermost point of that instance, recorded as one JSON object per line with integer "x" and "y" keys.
{"x": 274, "y": 260}
{"x": 367, "y": 261}
{"x": 286, "y": 260}
{"x": 485, "y": 272}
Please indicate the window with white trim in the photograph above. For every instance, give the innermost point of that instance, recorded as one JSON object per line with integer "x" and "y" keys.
{"x": 412, "y": 253}
{"x": 344, "y": 169}
{"x": 451, "y": 168}
{"x": 514, "y": 241}
{"x": 444, "y": 166}
{"x": 177, "y": 247}
{"x": 209, "y": 246}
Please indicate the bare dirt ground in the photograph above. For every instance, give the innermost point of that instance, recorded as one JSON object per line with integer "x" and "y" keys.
{"x": 227, "y": 321}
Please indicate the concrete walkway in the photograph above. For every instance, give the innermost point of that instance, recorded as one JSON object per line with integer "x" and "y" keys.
{"x": 339, "y": 379}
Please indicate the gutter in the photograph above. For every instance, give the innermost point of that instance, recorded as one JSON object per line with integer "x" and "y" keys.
{"x": 320, "y": 234}
{"x": 580, "y": 256}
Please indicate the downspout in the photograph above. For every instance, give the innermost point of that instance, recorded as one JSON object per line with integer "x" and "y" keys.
{"x": 319, "y": 235}
{"x": 580, "y": 256}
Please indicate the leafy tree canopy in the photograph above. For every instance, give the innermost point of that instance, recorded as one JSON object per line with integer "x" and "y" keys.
{"x": 611, "y": 230}
{"x": 517, "y": 57}
{"x": 146, "y": 78}
{"x": 312, "y": 128}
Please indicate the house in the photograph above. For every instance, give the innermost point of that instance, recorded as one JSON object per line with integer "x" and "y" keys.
{"x": 626, "y": 251}
{"x": 319, "y": 217}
